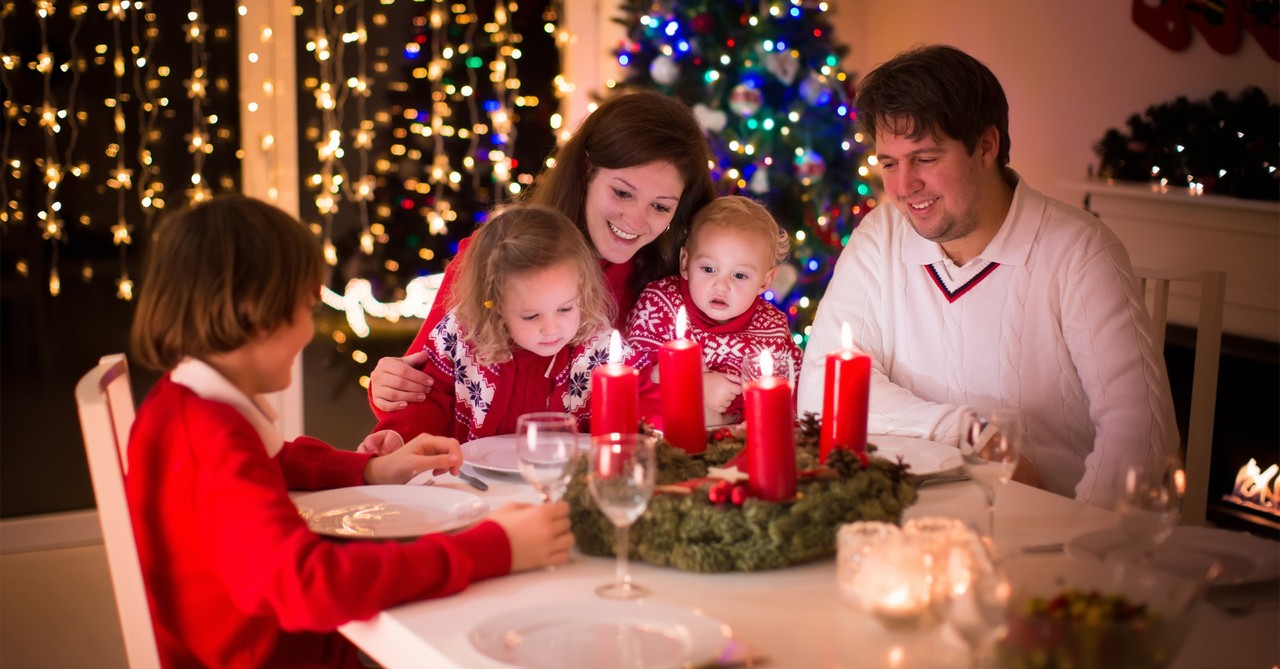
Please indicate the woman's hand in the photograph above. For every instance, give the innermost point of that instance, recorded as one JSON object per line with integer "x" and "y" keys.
{"x": 539, "y": 534}
{"x": 424, "y": 452}
{"x": 395, "y": 382}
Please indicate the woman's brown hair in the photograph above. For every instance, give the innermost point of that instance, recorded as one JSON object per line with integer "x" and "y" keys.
{"x": 516, "y": 241}
{"x": 633, "y": 129}
{"x": 219, "y": 273}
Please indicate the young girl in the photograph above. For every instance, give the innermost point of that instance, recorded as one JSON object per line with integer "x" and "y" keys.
{"x": 233, "y": 575}
{"x": 731, "y": 257}
{"x": 527, "y": 322}
{"x": 630, "y": 178}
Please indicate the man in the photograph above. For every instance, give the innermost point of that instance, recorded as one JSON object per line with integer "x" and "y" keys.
{"x": 975, "y": 290}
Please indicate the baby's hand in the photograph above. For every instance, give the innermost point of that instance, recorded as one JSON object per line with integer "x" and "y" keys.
{"x": 424, "y": 452}
{"x": 719, "y": 390}
{"x": 539, "y": 534}
{"x": 381, "y": 442}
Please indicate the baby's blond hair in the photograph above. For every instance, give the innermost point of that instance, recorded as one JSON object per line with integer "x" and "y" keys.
{"x": 746, "y": 215}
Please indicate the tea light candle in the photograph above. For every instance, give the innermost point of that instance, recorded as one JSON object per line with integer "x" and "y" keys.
{"x": 854, "y": 541}
{"x": 615, "y": 394}
{"x": 845, "y": 399}
{"x": 680, "y": 372}
{"x": 771, "y": 449}
{"x": 894, "y": 582}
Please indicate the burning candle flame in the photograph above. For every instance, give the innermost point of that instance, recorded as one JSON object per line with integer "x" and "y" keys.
{"x": 766, "y": 364}
{"x": 846, "y": 336}
{"x": 615, "y": 348}
{"x": 682, "y": 323}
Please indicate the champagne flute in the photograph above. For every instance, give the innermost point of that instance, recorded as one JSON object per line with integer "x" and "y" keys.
{"x": 546, "y": 448}
{"x": 1150, "y": 501}
{"x": 622, "y": 469}
{"x": 989, "y": 448}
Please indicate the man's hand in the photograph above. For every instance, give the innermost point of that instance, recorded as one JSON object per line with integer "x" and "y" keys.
{"x": 395, "y": 382}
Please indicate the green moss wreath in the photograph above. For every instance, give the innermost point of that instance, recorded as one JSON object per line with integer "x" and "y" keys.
{"x": 690, "y": 532}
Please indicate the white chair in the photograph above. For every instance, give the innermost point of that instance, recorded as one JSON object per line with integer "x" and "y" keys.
{"x": 1204, "y": 378}
{"x": 106, "y": 414}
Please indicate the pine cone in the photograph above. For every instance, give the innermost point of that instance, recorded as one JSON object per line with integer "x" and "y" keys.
{"x": 844, "y": 461}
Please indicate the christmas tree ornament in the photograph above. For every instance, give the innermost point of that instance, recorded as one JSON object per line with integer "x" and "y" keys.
{"x": 664, "y": 70}
{"x": 745, "y": 100}
{"x": 711, "y": 120}
{"x": 702, "y": 23}
{"x": 759, "y": 183}
{"x": 810, "y": 165}
{"x": 782, "y": 64}
{"x": 814, "y": 89}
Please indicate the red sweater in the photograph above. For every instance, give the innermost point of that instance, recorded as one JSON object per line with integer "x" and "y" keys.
{"x": 233, "y": 575}
{"x": 617, "y": 279}
{"x": 653, "y": 322}
{"x": 469, "y": 400}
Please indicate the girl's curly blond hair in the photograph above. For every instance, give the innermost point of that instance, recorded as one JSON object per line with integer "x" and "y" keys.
{"x": 517, "y": 241}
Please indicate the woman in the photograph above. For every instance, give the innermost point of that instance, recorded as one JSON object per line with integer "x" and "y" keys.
{"x": 630, "y": 178}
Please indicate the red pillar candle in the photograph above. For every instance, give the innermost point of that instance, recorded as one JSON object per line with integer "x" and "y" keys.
{"x": 771, "y": 450}
{"x": 615, "y": 394}
{"x": 680, "y": 373}
{"x": 845, "y": 399}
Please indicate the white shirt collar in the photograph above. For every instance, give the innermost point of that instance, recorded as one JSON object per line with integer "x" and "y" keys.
{"x": 203, "y": 380}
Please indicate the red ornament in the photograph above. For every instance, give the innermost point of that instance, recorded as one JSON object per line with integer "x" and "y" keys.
{"x": 702, "y": 23}
{"x": 738, "y": 495}
{"x": 719, "y": 492}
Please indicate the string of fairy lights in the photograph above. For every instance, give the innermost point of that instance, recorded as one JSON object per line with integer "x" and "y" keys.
{"x": 348, "y": 175}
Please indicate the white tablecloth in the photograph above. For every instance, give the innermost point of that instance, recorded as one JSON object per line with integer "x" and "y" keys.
{"x": 793, "y": 616}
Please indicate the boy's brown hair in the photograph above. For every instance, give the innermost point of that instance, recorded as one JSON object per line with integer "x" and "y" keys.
{"x": 218, "y": 274}
{"x": 736, "y": 212}
{"x": 519, "y": 240}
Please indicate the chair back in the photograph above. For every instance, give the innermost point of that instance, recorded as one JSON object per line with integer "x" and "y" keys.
{"x": 1204, "y": 375}
{"x": 106, "y": 408}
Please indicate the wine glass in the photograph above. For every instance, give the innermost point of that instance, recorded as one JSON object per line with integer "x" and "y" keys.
{"x": 977, "y": 597}
{"x": 621, "y": 474}
{"x": 1150, "y": 501}
{"x": 780, "y": 366}
{"x": 546, "y": 447}
{"x": 990, "y": 446}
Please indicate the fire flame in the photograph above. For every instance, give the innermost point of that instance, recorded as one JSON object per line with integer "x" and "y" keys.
{"x": 1255, "y": 486}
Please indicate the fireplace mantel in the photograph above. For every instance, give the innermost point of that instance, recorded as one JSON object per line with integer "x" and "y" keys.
{"x": 1172, "y": 228}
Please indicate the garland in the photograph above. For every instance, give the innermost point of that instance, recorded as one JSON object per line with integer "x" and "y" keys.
{"x": 684, "y": 528}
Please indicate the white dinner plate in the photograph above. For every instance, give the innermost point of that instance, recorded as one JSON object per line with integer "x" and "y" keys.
{"x": 1189, "y": 552}
{"x": 498, "y": 453}
{"x": 388, "y": 511}
{"x": 924, "y": 456}
{"x": 598, "y": 633}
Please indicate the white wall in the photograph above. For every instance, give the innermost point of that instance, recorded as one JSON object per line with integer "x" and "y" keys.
{"x": 1070, "y": 68}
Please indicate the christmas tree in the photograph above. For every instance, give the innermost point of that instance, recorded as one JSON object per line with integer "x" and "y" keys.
{"x": 763, "y": 78}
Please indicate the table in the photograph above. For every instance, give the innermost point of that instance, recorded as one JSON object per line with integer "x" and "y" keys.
{"x": 793, "y": 616}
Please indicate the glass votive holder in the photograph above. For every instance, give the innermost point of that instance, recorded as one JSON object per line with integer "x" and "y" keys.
{"x": 893, "y": 583}
{"x": 853, "y": 542}
{"x": 937, "y": 536}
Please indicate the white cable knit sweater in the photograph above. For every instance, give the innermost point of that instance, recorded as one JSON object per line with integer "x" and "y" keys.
{"x": 1057, "y": 330}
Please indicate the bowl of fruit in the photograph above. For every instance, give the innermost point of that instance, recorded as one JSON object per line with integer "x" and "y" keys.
{"x": 1067, "y": 614}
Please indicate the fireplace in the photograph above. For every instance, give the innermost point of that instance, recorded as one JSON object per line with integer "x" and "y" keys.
{"x": 1252, "y": 501}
